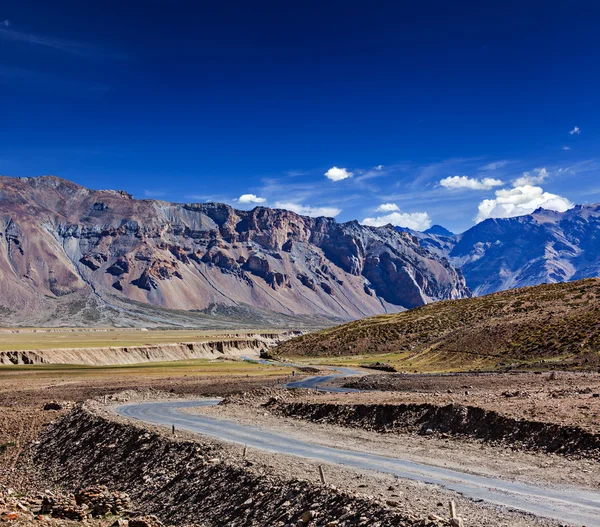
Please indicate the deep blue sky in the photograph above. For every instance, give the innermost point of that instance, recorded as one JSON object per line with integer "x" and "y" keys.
{"x": 195, "y": 101}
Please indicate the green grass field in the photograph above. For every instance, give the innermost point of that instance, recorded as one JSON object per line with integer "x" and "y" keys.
{"x": 196, "y": 367}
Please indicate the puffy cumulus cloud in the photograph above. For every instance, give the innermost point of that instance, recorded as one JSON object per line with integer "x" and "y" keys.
{"x": 250, "y": 198}
{"x": 455, "y": 182}
{"x": 307, "y": 210}
{"x": 417, "y": 221}
{"x": 576, "y": 131}
{"x": 535, "y": 177}
{"x": 519, "y": 201}
{"x": 337, "y": 174}
{"x": 387, "y": 207}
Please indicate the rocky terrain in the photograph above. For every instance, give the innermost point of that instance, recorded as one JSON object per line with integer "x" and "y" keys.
{"x": 84, "y": 257}
{"x": 543, "y": 326}
{"x": 52, "y": 447}
{"x": 457, "y": 420}
{"x": 505, "y": 253}
{"x": 183, "y": 481}
{"x": 554, "y": 412}
{"x": 95, "y": 506}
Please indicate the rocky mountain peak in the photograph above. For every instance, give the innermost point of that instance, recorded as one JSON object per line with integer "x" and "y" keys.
{"x": 59, "y": 241}
{"x": 543, "y": 247}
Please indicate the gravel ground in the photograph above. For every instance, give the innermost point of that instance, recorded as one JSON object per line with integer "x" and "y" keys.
{"x": 566, "y": 397}
{"x": 460, "y": 455}
{"x": 563, "y": 398}
{"x": 22, "y": 401}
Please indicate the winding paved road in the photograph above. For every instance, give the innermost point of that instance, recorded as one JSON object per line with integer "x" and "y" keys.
{"x": 568, "y": 505}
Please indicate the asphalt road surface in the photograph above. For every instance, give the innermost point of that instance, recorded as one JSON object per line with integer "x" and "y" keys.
{"x": 569, "y": 505}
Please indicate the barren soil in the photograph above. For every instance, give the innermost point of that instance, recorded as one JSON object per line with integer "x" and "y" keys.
{"x": 409, "y": 497}
{"x": 465, "y": 455}
{"x": 563, "y": 398}
{"x": 23, "y": 394}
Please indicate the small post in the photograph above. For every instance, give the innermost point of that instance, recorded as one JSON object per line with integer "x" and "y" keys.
{"x": 105, "y": 399}
{"x": 173, "y": 429}
{"x": 245, "y": 451}
{"x": 455, "y": 521}
{"x": 322, "y": 475}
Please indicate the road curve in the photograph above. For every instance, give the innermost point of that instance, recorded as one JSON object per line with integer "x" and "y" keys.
{"x": 569, "y": 505}
{"x": 314, "y": 383}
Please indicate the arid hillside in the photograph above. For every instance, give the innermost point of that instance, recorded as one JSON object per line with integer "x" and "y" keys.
{"x": 77, "y": 256}
{"x": 546, "y": 324}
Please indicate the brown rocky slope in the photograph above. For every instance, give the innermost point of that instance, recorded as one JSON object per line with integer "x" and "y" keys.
{"x": 183, "y": 481}
{"x": 89, "y": 257}
{"x": 541, "y": 325}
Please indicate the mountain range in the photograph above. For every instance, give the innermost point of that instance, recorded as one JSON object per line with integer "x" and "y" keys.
{"x": 74, "y": 256}
{"x": 542, "y": 247}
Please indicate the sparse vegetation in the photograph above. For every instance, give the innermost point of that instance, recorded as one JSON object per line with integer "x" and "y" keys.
{"x": 555, "y": 325}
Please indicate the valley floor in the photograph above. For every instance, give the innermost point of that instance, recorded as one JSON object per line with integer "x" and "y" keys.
{"x": 253, "y": 396}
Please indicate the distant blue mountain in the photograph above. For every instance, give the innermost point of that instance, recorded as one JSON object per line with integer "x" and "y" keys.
{"x": 505, "y": 253}
{"x": 438, "y": 230}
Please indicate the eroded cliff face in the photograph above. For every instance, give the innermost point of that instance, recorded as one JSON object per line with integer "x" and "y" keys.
{"x": 59, "y": 239}
{"x": 227, "y": 346}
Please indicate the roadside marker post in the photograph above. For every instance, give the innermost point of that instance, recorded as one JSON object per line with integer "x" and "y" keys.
{"x": 454, "y": 519}
{"x": 322, "y": 475}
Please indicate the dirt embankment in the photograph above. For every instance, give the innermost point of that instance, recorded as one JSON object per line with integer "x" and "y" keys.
{"x": 562, "y": 398}
{"x": 188, "y": 481}
{"x": 251, "y": 344}
{"x": 449, "y": 420}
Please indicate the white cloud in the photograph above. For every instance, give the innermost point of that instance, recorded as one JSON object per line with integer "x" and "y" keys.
{"x": 575, "y": 131}
{"x": 455, "y": 182}
{"x": 307, "y": 210}
{"x": 337, "y": 174}
{"x": 250, "y": 198}
{"x": 535, "y": 177}
{"x": 495, "y": 165}
{"x": 519, "y": 201}
{"x": 387, "y": 207}
{"x": 83, "y": 49}
{"x": 417, "y": 221}
{"x": 566, "y": 147}
{"x": 379, "y": 167}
